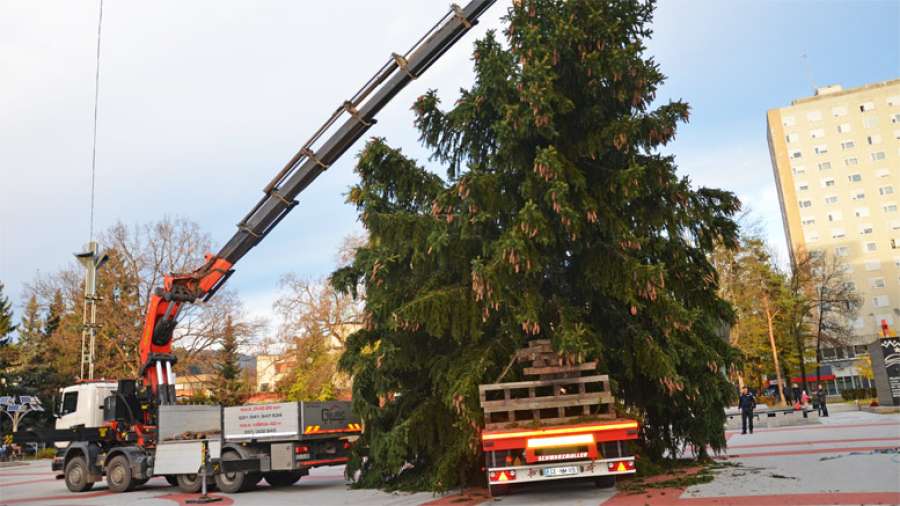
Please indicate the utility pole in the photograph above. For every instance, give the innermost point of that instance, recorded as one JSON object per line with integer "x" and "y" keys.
{"x": 92, "y": 263}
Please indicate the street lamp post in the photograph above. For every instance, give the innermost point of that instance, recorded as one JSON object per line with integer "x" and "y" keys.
{"x": 16, "y": 410}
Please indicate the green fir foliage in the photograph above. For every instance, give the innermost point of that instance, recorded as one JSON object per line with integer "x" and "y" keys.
{"x": 230, "y": 388}
{"x": 559, "y": 218}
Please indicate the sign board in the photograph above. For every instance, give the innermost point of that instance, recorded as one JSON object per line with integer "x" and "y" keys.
{"x": 262, "y": 421}
{"x": 890, "y": 355}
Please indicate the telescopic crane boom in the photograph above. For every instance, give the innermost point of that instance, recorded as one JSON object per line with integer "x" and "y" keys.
{"x": 345, "y": 126}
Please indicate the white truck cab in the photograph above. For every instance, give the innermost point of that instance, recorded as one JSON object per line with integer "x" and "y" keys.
{"x": 81, "y": 404}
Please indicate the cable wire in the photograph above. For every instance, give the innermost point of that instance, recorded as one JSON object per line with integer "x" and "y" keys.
{"x": 96, "y": 100}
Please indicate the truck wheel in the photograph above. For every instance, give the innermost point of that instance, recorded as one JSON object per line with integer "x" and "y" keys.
{"x": 284, "y": 478}
{"x": 605, "y": 481}
{"x": 231, "y": 483}
{"x": 190, "y": 483}
{"x": 172, "y": 479}
{"x": 77, "y": 475}
{"x": 118, "y": 474}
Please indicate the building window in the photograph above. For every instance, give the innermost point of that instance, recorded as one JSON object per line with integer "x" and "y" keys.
{"x": 835, "y": 216}
{"x": 817, "y": 133}
{"x": 897, "y": 135}
{"x": 878, "y": 156}
{"x": 845, "y": 145}
{"x": 886, "y": 190}
{"x": 807, "y": 221}
{"x": 796, "y": 154}
{"x": 799, "y": 170}
{"x": 858, "y": 195}
{"x": 827, "y": 182}
{"x": 893, "y": 101}
{"x": 805, "y": 203}
{"x": 895, "y": 118}
{"x": 890, "y": 208}
{"x": 883, "y": 173}
{"x": 802, "y": 186}
{"x": 866, "y": 106}
{"x": 881, "y": 301}
{"x": 788, "y": 121}
{"x": 873, "y": 265}
{"x": 869, "y": 122}
{"x": 814, "y": 116}
{"x": 873, "y": 139}
{"x": 865, "y": 229}
{"x": 871, "y": 246}
{"x": 849, "y": 162}
{"x": 821, "y": 149}
{"x": 862, "y": 212}
{"x": 837, "y": 233}
{"x": 877, "y": 282}
{"x": 841, "y": 251}
{"x": 844, "y": 128}
{"x": 854, "y": 178}
{"x": 792, "y": 137}
{"x": 824, "y": 166}
{"x": 839, "y": 111}
{"x": 828, "y": 353}
{"x": 812, "y": 236}
{"x": 831, "y": 199}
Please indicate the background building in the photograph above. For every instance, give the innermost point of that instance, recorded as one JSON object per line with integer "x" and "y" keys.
{"x": 836, "y": 158}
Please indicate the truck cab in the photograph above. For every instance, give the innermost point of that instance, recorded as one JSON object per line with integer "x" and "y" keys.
{"x": 81, "y": 404}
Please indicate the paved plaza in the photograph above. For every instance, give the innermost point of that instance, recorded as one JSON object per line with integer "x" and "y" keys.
{"x": 849, "y": 458}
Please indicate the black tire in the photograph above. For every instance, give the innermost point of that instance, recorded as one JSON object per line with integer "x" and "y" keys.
{"x": 77, "y": 475}
{"x": 605, "y": 481}
{"x": 139, "y": 483}
{"x": 118, "y": 474}
{"x": 232, "y": 483}
{"x": 499, "y": 490}
{"x": 189, "y": 483}
{"x": 172, "y": 479}
{"x": 284, "y": 478}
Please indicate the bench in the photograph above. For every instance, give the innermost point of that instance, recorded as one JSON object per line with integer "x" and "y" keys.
{"x": 765, "y": 416}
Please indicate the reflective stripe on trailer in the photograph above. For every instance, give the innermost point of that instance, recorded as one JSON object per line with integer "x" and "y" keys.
{"x": 489, "y": 436}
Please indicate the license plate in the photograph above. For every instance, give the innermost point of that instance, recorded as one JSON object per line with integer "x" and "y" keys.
{"x": 560, "y": 471}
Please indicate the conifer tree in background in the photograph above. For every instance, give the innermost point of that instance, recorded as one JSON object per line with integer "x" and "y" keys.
{"x": 35, "y": 370}
{"x": 560, "y": 219}
{"x": 6, "y": 318}
{"x": 8, "y": 349}
{"x": 229, "y": 389}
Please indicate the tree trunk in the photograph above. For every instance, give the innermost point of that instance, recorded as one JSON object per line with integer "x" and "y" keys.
{"x": 800, "y": 350}
{"x": 780, "y": 379}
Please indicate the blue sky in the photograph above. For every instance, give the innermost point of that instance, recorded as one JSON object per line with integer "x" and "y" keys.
{"x": 202, "y": 102}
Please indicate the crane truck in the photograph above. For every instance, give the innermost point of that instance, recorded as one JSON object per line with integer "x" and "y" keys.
{"x": 132, "y": 429}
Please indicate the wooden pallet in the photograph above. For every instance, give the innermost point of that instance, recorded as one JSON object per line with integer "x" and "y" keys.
{"x": 547, "y": 401}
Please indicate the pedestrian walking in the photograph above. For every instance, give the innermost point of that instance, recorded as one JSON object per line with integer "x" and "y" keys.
{"x": 746, "y": 403}
{"x": 821, "y": 395}
{"x": 804, "y": 399}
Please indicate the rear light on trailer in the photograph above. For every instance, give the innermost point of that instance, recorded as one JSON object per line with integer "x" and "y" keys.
{"x": 302, "y": 452}
{"x": 347, "y": 445}
{"x": 621, "y": 466}
{"x": 501, "y": 476}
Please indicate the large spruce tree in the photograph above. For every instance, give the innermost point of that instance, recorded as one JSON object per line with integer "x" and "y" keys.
{"x": 559, "y": 218}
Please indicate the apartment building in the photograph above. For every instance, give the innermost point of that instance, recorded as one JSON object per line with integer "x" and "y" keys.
{"x": 836, "y": 159}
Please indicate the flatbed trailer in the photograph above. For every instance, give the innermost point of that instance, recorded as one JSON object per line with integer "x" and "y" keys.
{"x": 597, "y": 450}
{"x": 562, "y": 425}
